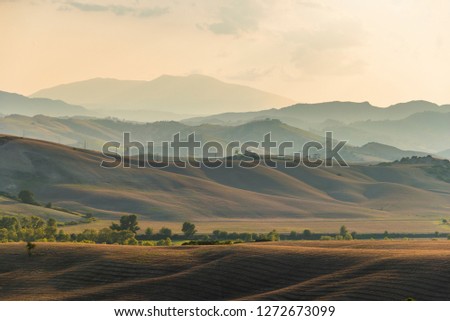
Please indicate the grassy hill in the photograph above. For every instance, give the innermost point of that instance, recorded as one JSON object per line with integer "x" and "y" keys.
{"x": 73, "y": 179}
{"x": 320, "y": 270}
{"x": 92, "y": 133}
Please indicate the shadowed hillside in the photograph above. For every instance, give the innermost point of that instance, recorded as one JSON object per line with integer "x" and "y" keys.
{"x": 336, "y": 270}
{"x": 73, "y": 179}
{"x": 93, "y": 133}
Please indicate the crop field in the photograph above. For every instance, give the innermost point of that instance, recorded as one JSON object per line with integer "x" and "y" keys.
{"x": 301, "y": 270}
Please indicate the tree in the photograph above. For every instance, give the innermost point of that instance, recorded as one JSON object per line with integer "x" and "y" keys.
{"x": 273, "y": 236}
{"x": 30, "y": 247}
{"x": 444, "y": 221}
{"x": 127, "y": 223}
{"x": 27, "y": 197}
{"x": 307, "y": 234}
{"x": 188, "y": 229}
{"x": 343, "y": 231}
{"x": 165, "y": 232}
{"x": 148, "y": 232}
{"x": 3, "y": 235}
{"x": 62, "y": 237}
{"x": 51, "y": 229}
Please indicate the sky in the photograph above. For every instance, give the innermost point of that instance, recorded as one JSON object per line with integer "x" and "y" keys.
{"x": 381, "y": 51}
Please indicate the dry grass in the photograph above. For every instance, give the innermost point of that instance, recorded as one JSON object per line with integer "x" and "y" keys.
{"x": 285, "y": 226}
{"x": 335, "y": 270}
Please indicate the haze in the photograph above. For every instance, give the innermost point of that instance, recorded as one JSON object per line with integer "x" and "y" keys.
{"x": 310, "y": 51}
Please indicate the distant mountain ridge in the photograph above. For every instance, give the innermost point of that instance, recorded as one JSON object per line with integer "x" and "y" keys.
{"x": 301, "y": 115}
{"x": 93, "y": 133}
{"x": 11, "y": 103}
{"x": 194, "y": 94}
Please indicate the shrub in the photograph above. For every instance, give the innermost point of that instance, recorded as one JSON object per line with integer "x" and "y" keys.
{"x": 148, "y": 232}
{"x": 326, "y": 238}
{"x": 165, "y": 232}
{"x": 27, "y": 197}
{"x": 30, "y": 247}
{"x": 165, "y": 242}
{"x": 307, "y": 233}
{"x": 348, "y": 237}
{"x": 131, "y": 241}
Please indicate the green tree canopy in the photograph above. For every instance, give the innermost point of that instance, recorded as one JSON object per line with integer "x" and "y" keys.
{"x": 127, "y": 223}
{"x": 27, "y": 197}
{"x": 188, "y": 229}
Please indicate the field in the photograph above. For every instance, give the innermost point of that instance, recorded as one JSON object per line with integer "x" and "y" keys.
{"x": 321, "y": 270}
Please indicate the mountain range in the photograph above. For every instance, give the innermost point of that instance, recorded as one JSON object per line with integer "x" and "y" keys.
{"x": 11, "y": 103}
{"x": 92, "y": 133}
{"x": 194, "y": 94}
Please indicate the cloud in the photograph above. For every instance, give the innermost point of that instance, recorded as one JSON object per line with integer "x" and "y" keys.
{"x": 252, "y": 74}
{"x": 118, "y": 10}
{"x": 237, "y": 17}
{"x": 330, "y": 49}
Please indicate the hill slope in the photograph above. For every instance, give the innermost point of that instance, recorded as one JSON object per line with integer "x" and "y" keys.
{"x": 310, "y": 115}
{"x": 93, "y": 133}
{"x": 73, "y": 179}
{"x": 355, "y": 270}
{"x": 194, "y": 94}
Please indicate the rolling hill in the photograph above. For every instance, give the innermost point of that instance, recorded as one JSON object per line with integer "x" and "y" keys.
{"x": 358, "y": 270}
{"x": 312, "y": 115}
{"x": 17, "y": 104}
{"x": 92, "y": 133}
{"x": 194, "y": 94}
{"x": 73, "y": 179}
{"x": 426, "y": 131}
{"x": 416, "y": 125}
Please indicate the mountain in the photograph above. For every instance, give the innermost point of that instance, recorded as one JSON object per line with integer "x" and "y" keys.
{"x": 194, "y": 94}
{"x": 426, "y": 131}
{"x": 93, "y": 133}
{"x": 444, "y": 153}
{"x": 309, "y": 116}
{"x": 11, "y": 103}
{"x": 73, "y": 179}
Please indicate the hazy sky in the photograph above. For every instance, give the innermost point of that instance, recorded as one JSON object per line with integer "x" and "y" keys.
{"x": 378, "y": 51}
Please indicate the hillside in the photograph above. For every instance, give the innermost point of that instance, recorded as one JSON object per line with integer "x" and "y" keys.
{"x": 194, "y": 94}
{"x": 73, "y": 179}
{"x": 17, "y": 104}
{"x": 427, "y": 131}
{"x": 311, "y": 115}
{"x": 357, "y": 270}
{"x": 92, "y": 133}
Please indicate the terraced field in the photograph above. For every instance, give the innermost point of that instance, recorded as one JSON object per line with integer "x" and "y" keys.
{"x": 357, "y": 270}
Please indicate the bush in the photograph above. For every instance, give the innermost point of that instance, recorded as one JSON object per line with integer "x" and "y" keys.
{"x": 148, "y": 243}
{"x": 165, "y": 242}
{"x": 131, "y": 241}
{"x": 326, "y": 238}
{"x": 27, "y": 197}
{"x": 165, "y": 232}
